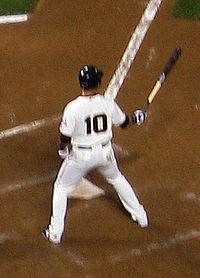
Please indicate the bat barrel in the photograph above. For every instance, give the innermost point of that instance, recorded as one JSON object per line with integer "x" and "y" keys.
{"x": 172, "y": 60}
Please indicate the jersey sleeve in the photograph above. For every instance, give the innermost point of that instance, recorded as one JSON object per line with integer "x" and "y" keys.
{"x": 118, "y": 116}
{"x": 67, "y": 123}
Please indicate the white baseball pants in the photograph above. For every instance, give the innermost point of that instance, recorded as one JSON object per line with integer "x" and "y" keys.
{"x": 71, "y": 172}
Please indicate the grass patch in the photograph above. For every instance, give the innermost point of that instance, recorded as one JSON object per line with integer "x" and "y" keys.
{"x": 187, "y": 9}
{"x": 9, "y": 7}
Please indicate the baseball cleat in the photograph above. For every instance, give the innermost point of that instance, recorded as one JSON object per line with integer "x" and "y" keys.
{"x": 142, "y": 222}
{"x": 51, "y": 237}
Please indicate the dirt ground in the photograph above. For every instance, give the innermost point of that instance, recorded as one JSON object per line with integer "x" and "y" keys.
{"x": 40, "y": 60}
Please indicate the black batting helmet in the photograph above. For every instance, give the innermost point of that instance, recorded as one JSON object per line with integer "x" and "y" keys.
{"x": 90, "y": 77}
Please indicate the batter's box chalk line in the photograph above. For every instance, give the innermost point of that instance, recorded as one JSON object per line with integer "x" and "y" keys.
{"x": 190, "y": 196}
{"x": 178, "y": 239}
{"x": 8, "y": 237}
{"x": 120, "y": 152}
{"x": 144, "y": 250}
{"x": 13, "y": 18}
{"x": 132, "y": 48}
{"x": 85, "y": 189}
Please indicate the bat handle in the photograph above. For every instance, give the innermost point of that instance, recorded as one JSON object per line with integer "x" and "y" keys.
{"x": 154, "y": 91}
{"x": 145, "y": 108}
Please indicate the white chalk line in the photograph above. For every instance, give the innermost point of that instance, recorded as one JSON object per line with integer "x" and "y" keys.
{"x": 85, "y": 189}
{"x": 190, "y": 196}
{"x": 13, "y": 18}
{"x": 145, "y": 250}
{"x": 33, "y": 181}
{"x": 77, "y": 259}
{"x": 132, "y": 48}
{"x": 3, "y": 237}
{"x": 10, "y": 236}
{"x": 179, "y": 238}
{"x": 112, "y": 90}
{"x": 25, "y": 128}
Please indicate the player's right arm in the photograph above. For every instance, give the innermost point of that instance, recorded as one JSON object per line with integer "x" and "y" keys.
{"x": 119, "y": 118}
{"x": 138, "y": 117}
{"x": 126, "y": 121}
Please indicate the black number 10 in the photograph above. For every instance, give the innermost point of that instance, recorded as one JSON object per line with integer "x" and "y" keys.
{"x": 99, "y": 124}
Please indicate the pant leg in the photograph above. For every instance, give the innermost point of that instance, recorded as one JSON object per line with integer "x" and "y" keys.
{"x": 69, "y": 175}
{"x": 124, "y": 190}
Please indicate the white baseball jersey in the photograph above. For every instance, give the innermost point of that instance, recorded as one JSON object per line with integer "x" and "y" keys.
{"x": 88, "y": 120}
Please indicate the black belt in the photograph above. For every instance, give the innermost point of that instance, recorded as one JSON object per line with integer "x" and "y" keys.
{"x": 85, "y": 148}
{"x": 105, "y": 143}
{"x": 90, "y": 147}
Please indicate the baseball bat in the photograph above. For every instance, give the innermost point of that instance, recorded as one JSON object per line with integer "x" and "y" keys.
{"x": 172, "y": 60}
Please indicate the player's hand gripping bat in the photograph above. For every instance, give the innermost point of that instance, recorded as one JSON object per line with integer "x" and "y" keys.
{"x": 174, "y": 57}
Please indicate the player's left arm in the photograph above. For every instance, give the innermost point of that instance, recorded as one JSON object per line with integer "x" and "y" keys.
{"x": 65, "y": 141}
{"x": 122, "y": 119}
{"x": 66, "y": 129}
{"x": 126, "y": 121}
{"x": 65, "y": 146}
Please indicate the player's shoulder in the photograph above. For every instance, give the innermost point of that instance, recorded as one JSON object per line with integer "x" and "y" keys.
{"x": 106, "y": 99}
{"x": 72, "y": 105}
{"x": 73, "y": 102}
{"x": 110, "y": 101}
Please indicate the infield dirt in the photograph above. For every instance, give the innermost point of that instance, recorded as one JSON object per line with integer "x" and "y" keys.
{"x": 39, "y": 64}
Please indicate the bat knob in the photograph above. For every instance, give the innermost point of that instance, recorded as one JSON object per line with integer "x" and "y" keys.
{"x": 178, "y": 50}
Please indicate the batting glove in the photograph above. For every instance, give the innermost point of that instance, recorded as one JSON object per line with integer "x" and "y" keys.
{"x": 139, "y": 117}
{"x": 64, "y": 153}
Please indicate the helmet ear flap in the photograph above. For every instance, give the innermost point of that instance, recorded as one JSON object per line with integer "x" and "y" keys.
{"x": 100, "y": 75}
{"x": 84, "y": 85}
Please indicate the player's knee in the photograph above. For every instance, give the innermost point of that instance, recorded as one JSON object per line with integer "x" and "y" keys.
{"x": 116, "y": 181}
{"x": 65, "y": 189}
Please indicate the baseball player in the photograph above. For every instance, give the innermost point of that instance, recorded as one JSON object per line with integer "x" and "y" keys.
{"x": 86, "y": 134}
